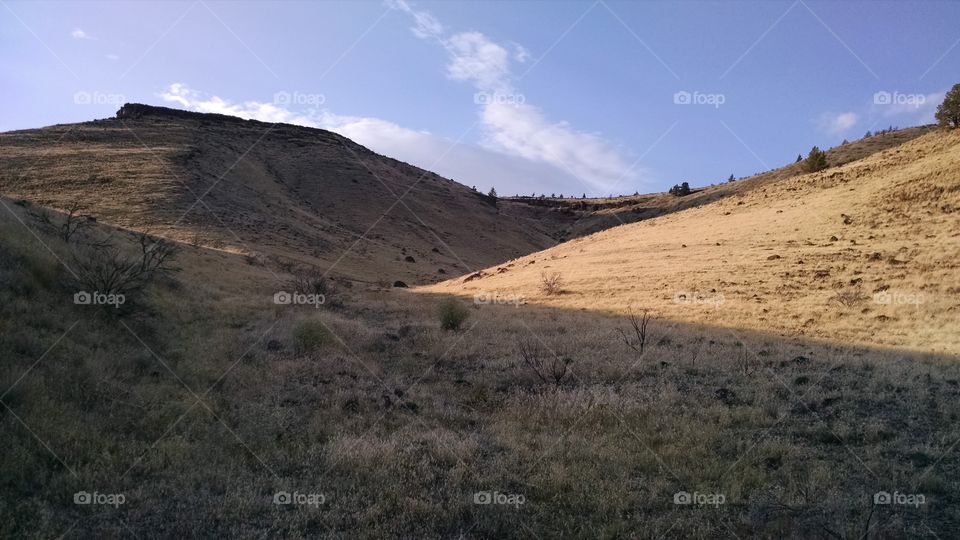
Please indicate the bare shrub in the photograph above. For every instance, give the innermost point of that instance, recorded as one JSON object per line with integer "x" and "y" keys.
{"x": 551, "y": 284}
{"x": 849, "y": 298}
{"x": 639, "y": 326}
{"x": 553, "y": 370}
{"x": 66, "y": 227}
{"x": 106, "y": 268}
{"x": 309, "y": 280}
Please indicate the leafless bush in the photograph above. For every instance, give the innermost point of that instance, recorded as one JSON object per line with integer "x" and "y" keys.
{"x": 551, "y": 284}
{"x": 639, "y": 326}
{"x": 66, "y": 227}
{"x": 849, "y": 298}
{"x": 106, "y": 268}
{"x": 309, "y": 280}
{"x": 553, "y": 370}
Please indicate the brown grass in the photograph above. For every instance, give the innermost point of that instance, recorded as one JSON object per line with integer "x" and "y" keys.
{"x": 400, "y": 425}
{"x": 779, "y": 257}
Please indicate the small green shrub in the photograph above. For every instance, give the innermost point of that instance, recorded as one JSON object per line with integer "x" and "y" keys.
{"x": 310, "y": 335}
{"x": 816, "y": 160}
{"x": 452, "y": 314}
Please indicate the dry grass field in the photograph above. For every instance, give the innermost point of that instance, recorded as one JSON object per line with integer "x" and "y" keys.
{"x": 865, "y": 253}
{"x": 796, "y": 374}
{"x": 190, "y": 411}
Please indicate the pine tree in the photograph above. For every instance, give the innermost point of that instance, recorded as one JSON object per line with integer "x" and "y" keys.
{"x": 816, "y": 160}
{"x": 731, "y": 179}
{"x": 493, "y": 193}
{"x": 680, "y": 190}
{"x": 948, "y": 112}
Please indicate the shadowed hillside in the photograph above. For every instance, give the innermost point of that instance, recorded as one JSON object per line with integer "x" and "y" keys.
{"x": 278, "y": 193}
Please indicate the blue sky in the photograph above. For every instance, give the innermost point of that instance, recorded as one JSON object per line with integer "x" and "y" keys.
{"x": 557, "y": 97}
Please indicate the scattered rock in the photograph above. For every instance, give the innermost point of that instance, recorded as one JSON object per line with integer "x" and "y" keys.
{"x": 409, "y": 259}
{"x": 441, "y": 271}
{"x": 274, "y": 345}
{"x": 800, "y": 360}
{"x": 399, "y": 284}
{"x": 834, "y": 239}
{"x": 473, "y": 276}
{"x": 773, "y": 257}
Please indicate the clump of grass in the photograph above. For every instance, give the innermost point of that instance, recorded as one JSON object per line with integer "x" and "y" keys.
{"x": 452, "y": 314}
{"x": 310, "y": 335}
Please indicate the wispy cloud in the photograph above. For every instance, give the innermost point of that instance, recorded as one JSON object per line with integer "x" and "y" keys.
{"x": 837, "y": 123}
{"x": 510, "y": 124}
{"x": 918, "y": 108}
{"x": 80, "y": 34}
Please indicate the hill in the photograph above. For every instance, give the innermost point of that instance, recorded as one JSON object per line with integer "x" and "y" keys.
{"x": 865, "y": 253}
{"x": 281, "y": 194}
{"x": 576, "y": 217}
{"x": 287, "y": 196}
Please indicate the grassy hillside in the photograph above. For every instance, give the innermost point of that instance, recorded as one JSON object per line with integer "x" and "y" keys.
{"x": 575, "y": 217}
{"x": 862, "y": 253}
{"x": 202, "y": 401}
{"x": 288, "y": 194}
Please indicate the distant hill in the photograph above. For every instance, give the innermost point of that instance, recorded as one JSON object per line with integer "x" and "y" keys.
{"x": 575, "y": 217}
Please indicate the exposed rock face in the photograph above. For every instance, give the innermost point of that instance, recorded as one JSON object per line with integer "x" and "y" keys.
{"x": 132, "y": 111}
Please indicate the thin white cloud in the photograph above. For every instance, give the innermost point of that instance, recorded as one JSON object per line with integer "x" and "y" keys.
{"x": 919, "y": 108}
{"x": 80, "y": 34}
{"x": 837, "y": 123}
{"x": 510, "y": 124}
{"x": 112, "y": 56}
{"x": 468, "y": 164}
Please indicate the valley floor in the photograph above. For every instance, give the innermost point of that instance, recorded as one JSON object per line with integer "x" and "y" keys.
{"x": 214, "y": 411}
